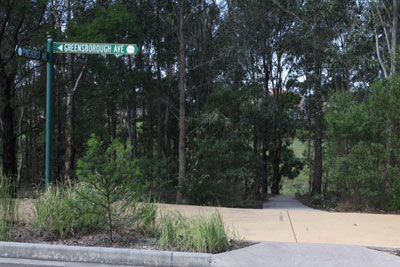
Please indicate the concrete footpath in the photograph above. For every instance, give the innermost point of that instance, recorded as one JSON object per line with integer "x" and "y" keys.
{"x": 305, "y": 255}
{"x": 281, "y": 202}
{"x": 291, "y": 225}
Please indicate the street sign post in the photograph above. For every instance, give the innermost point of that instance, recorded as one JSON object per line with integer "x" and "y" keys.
{"x": 74, "y": 48}
{"x": 95, "y": 48}
{"x": 49, "y": 96}
{"x": 31, "y": 53}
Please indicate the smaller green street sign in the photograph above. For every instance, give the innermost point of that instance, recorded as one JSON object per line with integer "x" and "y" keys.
{"x": 95, "y": 48}
{"x": 31, "y": 53}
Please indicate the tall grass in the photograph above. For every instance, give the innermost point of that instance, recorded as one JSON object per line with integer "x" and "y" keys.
{"x": 52, "y": 213}
{"x": 172, "y": 228}
{"x": 199, "y": 233}
{"x": 147, "y": 218}
{"x": 8, "y": 207}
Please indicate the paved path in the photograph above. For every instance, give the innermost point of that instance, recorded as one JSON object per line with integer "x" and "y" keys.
{"x": 286, "y": 203}
{"x": 284, "y": 225}
{"x": 305, "y": 255}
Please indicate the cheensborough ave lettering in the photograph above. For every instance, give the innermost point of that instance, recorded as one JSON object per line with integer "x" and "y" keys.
{"x": 88, "y": 48}
{"x": 95, "y": 48}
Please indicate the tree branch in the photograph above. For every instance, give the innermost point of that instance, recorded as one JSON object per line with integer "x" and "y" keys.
{"x": 80, "y": 75}
{"x": 289, "y": 12}
{"x": 378, "y": 53}
{"x": 384, "y": 30}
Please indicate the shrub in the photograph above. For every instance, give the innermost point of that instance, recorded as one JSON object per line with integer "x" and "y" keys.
{"x": 87, "y": 215}
{"x": 362, "y": 146}
{"x": 8, "y": 207}
{"x": 108, "y": 178}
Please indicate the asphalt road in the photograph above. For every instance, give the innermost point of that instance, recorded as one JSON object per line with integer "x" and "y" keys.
{"x": 8, "y": 262}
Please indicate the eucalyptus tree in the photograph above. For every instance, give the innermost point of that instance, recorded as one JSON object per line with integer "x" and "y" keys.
{"x": 385, "y": 16}
{"x": 267, "y": 36}
{"x": 19, "y": 23}
{"x": 318, "y": 21}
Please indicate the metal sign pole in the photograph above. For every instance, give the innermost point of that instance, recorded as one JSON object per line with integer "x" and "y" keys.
{"x": 49, "y": 96}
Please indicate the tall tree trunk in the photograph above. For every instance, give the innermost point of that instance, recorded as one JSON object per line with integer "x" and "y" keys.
{"x": 277, "y": 141}
{"x": 266, "y": 57}
{"x": 69, "y": 115}
{"x": 394, "y": 36}
{"x": 181, "y": 124}
{"x": 276, "y": 178}
{"x": 309, "y": 160}
{"x": 58, "y": 135}
{"x": 69, "y": 126}
{"x": 132, "y": 116}
{"x": 317, "y": 182}
{"x": 8, "y": 156}
{"x": 71, "y": 88}
{"x": 158, "y": 86}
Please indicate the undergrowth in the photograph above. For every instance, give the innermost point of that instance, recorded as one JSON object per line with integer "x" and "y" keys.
{"x": 52, "y": 214}
{"x": 199, "y": 233}
{"x": 60, "y": 213}
{"x": 8, "y": 207}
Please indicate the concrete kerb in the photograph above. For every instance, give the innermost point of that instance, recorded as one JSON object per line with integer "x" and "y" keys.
{"x": 384, "y": 249}
{"x": 99, "y": 255}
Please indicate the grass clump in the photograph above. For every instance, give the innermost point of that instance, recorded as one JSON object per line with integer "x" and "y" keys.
{"x": 52, "y": 213}
{"x": 208, "y": 234}
{"x": 199, "y": 233}
{"x": 172, "y": 229}
{"x": 8, "y": 208}
{"x": 146, "y": 214}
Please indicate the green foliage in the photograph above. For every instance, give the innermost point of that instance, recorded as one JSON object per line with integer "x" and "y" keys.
{"x": 88, "y": 216}
{"x": 144, "y": 217}
{"x": 363, "y": 147}
{"x": 200, "y": 234}
{"x": 156, "y": 176}
{"x": 298, "y": 185}
{"x": 109, "y": 24}
{"x": 224, "y": 159}
{"x": 52, "y": 213}
{"x": 108, "y": 179}
{"x": 8, "y": 208}
{"x": 172, "y": 225}
{"x": 235, "y": 55}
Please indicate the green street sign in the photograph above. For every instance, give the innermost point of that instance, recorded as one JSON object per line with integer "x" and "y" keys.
{"x": 95, "y": 48}
{"x": 31, "y": 53}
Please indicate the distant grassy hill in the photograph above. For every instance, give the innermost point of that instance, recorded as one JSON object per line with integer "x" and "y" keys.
{"x": 300, "y": 183}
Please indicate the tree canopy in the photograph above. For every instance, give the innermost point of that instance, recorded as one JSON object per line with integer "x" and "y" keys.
{"x": 211, "y": 104}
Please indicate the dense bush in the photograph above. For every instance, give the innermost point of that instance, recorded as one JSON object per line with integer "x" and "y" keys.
{"x": 363, "y": 145}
